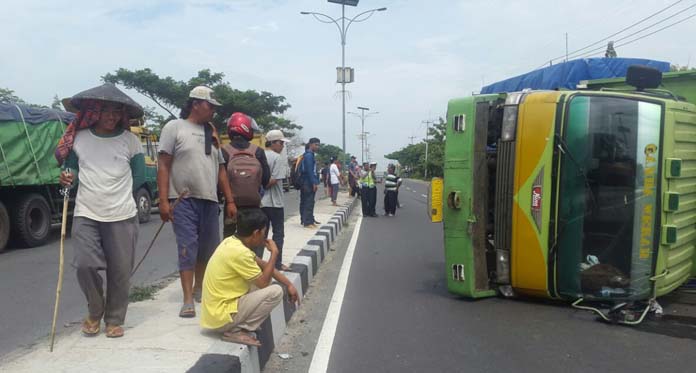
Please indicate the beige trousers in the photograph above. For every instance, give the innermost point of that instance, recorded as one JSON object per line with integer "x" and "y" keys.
{"x": 254, "y": 307}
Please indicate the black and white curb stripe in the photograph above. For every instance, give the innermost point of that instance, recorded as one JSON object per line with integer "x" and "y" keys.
{"x": 222, "y": 357}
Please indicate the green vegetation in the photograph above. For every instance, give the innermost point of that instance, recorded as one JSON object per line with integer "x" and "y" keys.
{"x": 412, "y": 157}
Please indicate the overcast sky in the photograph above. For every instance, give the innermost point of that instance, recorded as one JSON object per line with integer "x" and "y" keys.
{"x": 409, "y": 60}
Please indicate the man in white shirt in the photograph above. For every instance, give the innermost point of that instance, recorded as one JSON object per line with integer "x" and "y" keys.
{"x": 105, "y": 223}
{"x": 272, "y": 202}
{"x": 335, "y": 178}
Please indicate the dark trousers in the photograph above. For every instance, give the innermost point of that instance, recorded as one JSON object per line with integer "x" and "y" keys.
{"x": 307, "y": 195}
{"x": 372, "y": 194}
{"x": 354, "y": 190}
{"x": 397, "y": 199}
{"x": 365, "y": 201}
{"x": 276, "y": 218}
{"x": 390, "y": 202}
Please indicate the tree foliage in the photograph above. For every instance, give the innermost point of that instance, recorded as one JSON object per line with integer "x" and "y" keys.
{"x": 8, "y": 96}
{"x": 673, "y": 68}
{"x": 412, "y": 157}
{"x": 170, "y": 95}
{"x": 326, "y": 151}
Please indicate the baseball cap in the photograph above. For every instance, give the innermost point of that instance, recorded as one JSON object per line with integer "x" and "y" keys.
{"x": 275, "y": 135}
{"x": 204, "y": 93}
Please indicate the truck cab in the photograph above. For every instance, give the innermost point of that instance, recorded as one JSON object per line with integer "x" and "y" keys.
{"x": 571, "y": 195}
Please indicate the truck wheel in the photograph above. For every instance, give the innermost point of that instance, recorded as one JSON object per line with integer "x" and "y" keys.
{"x": 31, "y": 220}
{"x": 4, "y": 227}
{"x": 144, "y": 204}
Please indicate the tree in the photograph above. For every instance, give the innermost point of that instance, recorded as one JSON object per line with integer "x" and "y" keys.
{"x": 413, "y": 156}
{"x": 8, "y": 96}
{"x": 56, "y": 103}
{"x": 170, "y": 95}
{"x": 327, "y": 151}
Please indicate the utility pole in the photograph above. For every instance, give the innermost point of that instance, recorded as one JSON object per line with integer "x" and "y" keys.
{"x": 427, "y": 130}
{"x": 412, "y": 137}
{"x": 566, "y": 34}
{"x": 362, "y": 131}
{"x": 362, "y": 117}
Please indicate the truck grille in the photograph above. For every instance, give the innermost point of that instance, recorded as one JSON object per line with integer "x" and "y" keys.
{"x": 503, "y": 207}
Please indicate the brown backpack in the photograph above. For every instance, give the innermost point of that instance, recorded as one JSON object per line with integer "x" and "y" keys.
{"x": 244, "y": 173}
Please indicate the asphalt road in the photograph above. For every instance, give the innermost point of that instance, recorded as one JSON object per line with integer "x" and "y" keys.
{"x": 29, "y": 277}
{"x": 397, "y": 316}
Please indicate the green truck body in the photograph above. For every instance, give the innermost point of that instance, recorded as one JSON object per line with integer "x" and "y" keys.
{"x": 30, "y": 199}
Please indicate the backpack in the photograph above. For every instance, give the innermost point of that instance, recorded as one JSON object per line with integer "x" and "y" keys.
{"x": 244, "y": 173}
{"x": 296, "y": 176}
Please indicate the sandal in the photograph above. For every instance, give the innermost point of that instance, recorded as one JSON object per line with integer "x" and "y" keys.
{"x": 114, "y": 331}
{"x": 187, "y": 311}
{"x": 241, "y": 338}
{"x": 197, "y": 294}
{"x": 90, "y": 328}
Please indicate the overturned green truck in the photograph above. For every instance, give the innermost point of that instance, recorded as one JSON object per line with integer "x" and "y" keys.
{"x": 30, "y": 199}
{"x": 579, "y": 195}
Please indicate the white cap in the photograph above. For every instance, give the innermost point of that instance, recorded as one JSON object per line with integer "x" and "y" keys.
{"x": 275, "y": 135}
{"x": 204, "y": 93}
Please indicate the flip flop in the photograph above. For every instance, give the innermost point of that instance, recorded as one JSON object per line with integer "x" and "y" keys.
{"x": 241, "y": 338}
{"x": 114, "y": 331}
{"x": 187, "y": 311}
{"x": 90, "y": 328}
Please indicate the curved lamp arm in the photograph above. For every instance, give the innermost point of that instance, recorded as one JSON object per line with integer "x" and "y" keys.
{"x": 323, "y": 18}
{"x": 367, "y": 13}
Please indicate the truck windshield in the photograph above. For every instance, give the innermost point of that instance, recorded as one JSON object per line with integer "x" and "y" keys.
{"x": 607, "y": 204}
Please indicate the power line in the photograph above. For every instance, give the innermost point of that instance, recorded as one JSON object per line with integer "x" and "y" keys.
{"x": 646, "y": 35}
{"x": 645, "y": 28}
{"x": 622, "y": 30}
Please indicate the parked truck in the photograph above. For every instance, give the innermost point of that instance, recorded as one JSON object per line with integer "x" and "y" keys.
{"x": 30, "y": 199}
{"x": 578, "y": 195}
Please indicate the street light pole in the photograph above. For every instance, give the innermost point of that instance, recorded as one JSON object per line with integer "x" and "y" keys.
{"x": 343, "y": 30}
{"x": 343, "y": 74}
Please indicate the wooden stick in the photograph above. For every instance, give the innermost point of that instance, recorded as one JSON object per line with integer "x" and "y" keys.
{"x": 59, "y": 287}
{"x": 181, "y": 195}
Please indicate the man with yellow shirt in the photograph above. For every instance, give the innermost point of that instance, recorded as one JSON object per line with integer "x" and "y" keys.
{"x": 237, "y": 291}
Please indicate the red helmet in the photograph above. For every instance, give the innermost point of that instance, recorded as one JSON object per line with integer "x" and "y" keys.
{"x": 243, "y": 125}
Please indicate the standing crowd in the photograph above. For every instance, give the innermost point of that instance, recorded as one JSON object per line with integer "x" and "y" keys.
{"x": 195, "y": 171}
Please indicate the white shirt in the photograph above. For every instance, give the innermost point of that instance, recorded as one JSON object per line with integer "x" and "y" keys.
{"x": 335, "y": 174}
{"x": 105, "y": 192}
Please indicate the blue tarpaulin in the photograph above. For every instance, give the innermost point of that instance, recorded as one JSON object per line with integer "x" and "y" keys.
{"x": 567, "y": 75}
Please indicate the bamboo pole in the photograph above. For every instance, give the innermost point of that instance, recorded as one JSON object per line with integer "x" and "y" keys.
{"x": 59, "y": 287}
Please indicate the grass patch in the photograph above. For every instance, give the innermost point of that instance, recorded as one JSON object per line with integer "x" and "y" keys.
{"x": 141, "y": 293}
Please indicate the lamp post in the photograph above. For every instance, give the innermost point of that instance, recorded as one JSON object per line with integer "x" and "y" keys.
{"x": 343, "y": 30}
{"x": 362, "y": 117}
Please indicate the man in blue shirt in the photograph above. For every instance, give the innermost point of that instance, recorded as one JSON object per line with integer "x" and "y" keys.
{"x": 309, "y": 184}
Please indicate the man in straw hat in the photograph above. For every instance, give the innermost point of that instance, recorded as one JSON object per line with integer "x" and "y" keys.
{"x": 105, "y": 223}
{"x": 191, "y": 160}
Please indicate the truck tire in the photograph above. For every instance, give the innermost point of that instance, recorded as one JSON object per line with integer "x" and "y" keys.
{"x": 31, "y": 220}
{"x": 144, "y": 204}
{"x": 4, "y": 227}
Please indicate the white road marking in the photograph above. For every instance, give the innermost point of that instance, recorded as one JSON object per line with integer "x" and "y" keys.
{"x": 322, "y": 352}
{"x": 424, "y": 195}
